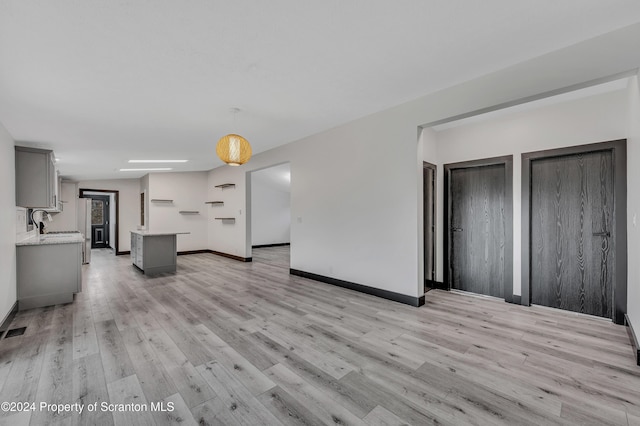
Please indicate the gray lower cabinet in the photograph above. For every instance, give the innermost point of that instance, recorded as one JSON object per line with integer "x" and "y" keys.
{"x": 154, "y": 254}
{"x": 48, "y": 274}
{"x": 136, "y": 250}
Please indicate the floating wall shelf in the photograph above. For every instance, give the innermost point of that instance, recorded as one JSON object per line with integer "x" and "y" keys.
{"x": 189, "y": 212}
{"x": 226, "y": 185}
{"x": 159, "y": 200}
{"x": 215, "y": 203}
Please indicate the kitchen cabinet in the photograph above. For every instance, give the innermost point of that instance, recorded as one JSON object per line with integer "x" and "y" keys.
{"x": 136, "y": 250}
{"x": 48, "y": 270}
{"x": 57, "y": 193}
{"x": 154, "y": 253}
{"x": 37, "y": 180}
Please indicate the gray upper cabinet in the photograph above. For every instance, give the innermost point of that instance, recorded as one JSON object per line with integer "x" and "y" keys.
{"x": 36, "y": 178}
{"x": 57, "y": 192}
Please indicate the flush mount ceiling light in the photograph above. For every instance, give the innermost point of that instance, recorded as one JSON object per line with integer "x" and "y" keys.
{"x": 158, "y": 161}
{"x": 233, "y": 149}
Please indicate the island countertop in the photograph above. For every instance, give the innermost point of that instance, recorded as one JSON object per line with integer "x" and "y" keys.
{"x": 46, "y": 239}
{"x": 154, "y": 252}
{"x": 147, "y": 233}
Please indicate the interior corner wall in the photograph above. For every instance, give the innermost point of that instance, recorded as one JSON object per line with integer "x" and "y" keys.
{"x": 188, "y": 191}
{"x": 270, "y": 214}
{"x": 8, "y": 295}
{"x": 633, "y": 204}
{"x": 354, "y": 188}
{"x": 420, "y": 205}
{"x": 128, "y": 208}
{"x": 592, "y": 119}
{"x": 228, "y": 236}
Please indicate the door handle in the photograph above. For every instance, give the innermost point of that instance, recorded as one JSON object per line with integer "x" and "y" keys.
{"x": 456, "y": 229}
{"x": 602, "y": 234}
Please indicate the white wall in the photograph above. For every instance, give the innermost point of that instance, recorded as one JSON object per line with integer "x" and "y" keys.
{"x": 593, "y": 119}
{"x": 66, "y": 220}
{"x": 633, "y": 204}
{"x": 270, "y": 212}
{"x": 355, "y": 189}
{"x": 128, "y": 205}
{"x": 227, "y": 236}
{"x": 189, "y": 193}
{"x": 8, "y": 228}
{"x": 353, "y": 203}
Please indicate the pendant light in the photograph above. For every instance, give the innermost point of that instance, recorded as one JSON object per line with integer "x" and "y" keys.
{"x": 233, "y": 149}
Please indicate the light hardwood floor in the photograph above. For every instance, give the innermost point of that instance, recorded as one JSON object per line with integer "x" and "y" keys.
{"x": 234, "y": 343}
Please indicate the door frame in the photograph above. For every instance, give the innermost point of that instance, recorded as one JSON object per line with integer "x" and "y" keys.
{"x": 507, "y": 161}
{"x": 106, "y": 219}
{"x": 116, "y": 197}
{"x": 249, "y": 209}
{"x": 618, "y": 150}
{"x": 433, "y": 282}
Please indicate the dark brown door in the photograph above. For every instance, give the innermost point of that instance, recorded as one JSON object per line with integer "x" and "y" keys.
{"x": 99, "y": 221}
{"x": 477, "y": 229}
{"x": 572, "y": 232}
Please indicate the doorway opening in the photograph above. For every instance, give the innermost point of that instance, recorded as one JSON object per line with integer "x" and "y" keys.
{"x": 269, "y": 211}
{"x": 479, "y": 226}
{"x": 574, "y": 229}
{"x": 105, "y": 218}
{"x": 429, "y": 216}
{"x": 549, "y": 124}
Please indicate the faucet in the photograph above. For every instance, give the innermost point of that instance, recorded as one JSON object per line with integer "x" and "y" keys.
{"x": 41, "y": 226}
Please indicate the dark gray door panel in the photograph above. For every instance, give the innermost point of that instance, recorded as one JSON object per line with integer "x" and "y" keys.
{"x": 572, "y": 231}
{"x": 477, "y": 228}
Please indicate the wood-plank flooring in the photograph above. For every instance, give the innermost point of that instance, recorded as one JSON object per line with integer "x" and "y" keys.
{"x": 231, "y": 343}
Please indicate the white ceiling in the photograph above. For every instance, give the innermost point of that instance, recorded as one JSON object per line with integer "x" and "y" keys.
{"x": 101, "y": 82}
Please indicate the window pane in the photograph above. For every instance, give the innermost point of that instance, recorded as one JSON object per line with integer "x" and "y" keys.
{"x": 97, "y": 212}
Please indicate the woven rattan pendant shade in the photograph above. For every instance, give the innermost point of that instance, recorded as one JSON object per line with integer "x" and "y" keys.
{"x": 233, "y": 149}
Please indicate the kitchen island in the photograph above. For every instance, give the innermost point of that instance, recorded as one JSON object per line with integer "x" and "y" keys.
{"x": 154, "y": 252}
{"x": 48, "y": 269}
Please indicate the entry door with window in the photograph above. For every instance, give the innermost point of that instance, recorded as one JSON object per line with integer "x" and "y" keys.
{"x": 99, "y": 221}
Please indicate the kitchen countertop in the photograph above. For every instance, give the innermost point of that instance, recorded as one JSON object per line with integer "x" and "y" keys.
{"x": 146, "y": 233}
{"x": 45, "y": 239}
